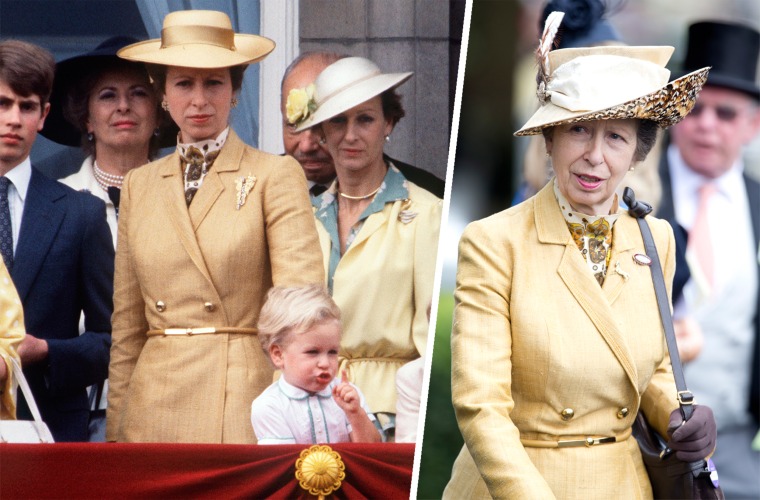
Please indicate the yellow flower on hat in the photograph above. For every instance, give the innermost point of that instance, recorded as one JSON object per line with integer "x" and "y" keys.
{"x": 300, "y": 104}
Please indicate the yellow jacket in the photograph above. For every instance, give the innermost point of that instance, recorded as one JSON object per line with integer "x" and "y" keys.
{"x": 535, "y": 335}
{"x": 209, "y": 265}
{"x": 383, "y": 285}
{"x": 12, "y": 332}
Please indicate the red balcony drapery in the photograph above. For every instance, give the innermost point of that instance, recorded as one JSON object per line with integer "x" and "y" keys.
{"x": 116, "y": 470}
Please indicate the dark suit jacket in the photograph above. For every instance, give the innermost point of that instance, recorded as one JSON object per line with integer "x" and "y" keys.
{"x": 422, "y": 178}
{"x": 667, "y": 211}
{"x": 63, "y": 265}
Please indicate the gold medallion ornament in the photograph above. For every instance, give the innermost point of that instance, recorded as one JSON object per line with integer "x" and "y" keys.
{"x": 320, "y": 470}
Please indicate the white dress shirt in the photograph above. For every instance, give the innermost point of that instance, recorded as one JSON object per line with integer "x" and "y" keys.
{"x": 719, "y": 376}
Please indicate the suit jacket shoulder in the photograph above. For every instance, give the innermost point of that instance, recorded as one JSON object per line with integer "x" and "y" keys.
{"x": 422, "y": 178}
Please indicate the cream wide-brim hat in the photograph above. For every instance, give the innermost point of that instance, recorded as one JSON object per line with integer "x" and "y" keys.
{"x": 346, "y": 83}
{"x": 199, "y": 39}
{"x": 613, "y": 82}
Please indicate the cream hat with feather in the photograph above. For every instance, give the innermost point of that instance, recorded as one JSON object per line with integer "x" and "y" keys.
{"x": 608, "y": 82}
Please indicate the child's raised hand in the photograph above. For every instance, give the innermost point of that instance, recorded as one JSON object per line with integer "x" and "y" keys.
{"x": 345, "y": 395}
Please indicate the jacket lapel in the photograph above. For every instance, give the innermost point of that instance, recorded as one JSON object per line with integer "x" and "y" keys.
{"x": 173, "y": 196}
{"x": 593, "y": 299}
{"x": 216, "y": 181}
{"x": 39, "y": 225}
{"x": 372, "y": 224}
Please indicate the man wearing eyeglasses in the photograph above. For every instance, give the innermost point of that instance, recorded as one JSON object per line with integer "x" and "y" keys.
{"x": 707, "y": 192}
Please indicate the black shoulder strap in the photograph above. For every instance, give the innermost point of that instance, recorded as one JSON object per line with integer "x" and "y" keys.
{"x": 639, "y": 210}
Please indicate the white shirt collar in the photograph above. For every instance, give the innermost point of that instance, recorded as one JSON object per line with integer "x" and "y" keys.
{"x": 294, "y": 392}
{"x": 20, "y": 175}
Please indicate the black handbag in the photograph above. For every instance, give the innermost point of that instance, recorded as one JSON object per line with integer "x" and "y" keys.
{"x": 669, "y": 476}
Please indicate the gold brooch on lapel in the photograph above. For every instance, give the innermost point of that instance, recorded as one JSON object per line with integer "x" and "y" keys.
{"x": 622, "y": 273}
{"x": 406, "y": 216}
{"x": 243, "y": 186}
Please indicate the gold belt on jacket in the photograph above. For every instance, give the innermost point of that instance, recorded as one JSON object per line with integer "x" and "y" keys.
{"x": 202, "y": 331}
{"x": 587, "y": 441}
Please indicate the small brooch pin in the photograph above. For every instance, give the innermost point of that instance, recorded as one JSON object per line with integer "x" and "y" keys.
{"x": 406, "y": 216}
{"x": 642, "y": 260}
{"x": 622, "y": 273}
{"x": 243, "y": 186}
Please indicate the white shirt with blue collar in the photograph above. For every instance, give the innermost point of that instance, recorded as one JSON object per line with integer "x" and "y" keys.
{"x": 285, "y": 414}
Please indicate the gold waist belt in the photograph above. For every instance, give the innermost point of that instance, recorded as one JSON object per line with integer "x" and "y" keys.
{"x": 587, "y": 441}
{"x": 201, "y": 331}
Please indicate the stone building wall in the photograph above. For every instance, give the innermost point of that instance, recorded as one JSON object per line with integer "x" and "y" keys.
{"x": 398, "y": 35}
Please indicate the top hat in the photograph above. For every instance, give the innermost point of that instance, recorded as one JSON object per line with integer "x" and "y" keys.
{"x": 608, "y": 83}
{"x": 199, "y": 39}
{"x": 69, "y": 73}
{"x": 342, "y": 85}
{"x": 731, "y": 49}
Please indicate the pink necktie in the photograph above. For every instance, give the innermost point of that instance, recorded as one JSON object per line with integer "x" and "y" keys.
{"x": 699, "y": 236}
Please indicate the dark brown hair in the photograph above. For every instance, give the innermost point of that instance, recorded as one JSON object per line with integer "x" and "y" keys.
{"x": 27, "y": 69}
{"x": 76, "y": 103}
{"x": 158, "y": 74}
{"x": 392, "y": 108}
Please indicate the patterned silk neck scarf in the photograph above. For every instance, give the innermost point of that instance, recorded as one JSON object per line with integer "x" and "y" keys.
{"x": 196, "y": 159}
{"x": 591, "y": 233}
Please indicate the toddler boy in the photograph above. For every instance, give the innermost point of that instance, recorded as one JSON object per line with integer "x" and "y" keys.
{"x": 299, "y": 327}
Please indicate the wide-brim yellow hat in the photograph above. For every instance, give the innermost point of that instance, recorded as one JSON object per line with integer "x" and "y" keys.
{"x": 346, "y": 83}
{"x": 613, "y": 82}
{"x": 199, "y": 39}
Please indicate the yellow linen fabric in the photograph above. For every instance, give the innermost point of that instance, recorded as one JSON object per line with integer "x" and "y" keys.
{"x": 12, "y": 332}
{"x": 535, "y": 334}
{"x": 209, "y": 264}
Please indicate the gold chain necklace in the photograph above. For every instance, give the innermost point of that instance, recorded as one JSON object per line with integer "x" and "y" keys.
{"x": 357, "y": 198}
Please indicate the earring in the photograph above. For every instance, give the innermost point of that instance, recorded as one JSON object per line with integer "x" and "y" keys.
{"x": 234, "y": 102}
{"x": 90, "y": 137}
{"x": 387, "y": 138}
{"x": 165, "y": 105}
{"x": 156, "y": 132}
{"x": 631, "y": 169}
{"x": 322, "y": 141}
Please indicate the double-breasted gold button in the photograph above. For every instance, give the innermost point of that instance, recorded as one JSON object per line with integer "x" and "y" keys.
{"x": 567, "y": 413}
{"x": 209, "y": 307}
{"x": 160, "y": 306}
{"x": 623, "y": 412}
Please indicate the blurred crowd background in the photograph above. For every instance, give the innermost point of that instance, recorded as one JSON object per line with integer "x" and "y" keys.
{"x": 498, "y": 95}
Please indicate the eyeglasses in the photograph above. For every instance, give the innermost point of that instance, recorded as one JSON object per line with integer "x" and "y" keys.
{"x": 725, "y": 114}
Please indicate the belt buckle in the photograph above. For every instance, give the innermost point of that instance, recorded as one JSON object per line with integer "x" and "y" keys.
{"x": 189, "y": 331}
{"x": 588, "y": 442}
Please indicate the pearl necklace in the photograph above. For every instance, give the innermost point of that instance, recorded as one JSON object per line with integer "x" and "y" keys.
{"x": 106, "y": 180}
{"x": 357, "y": 198}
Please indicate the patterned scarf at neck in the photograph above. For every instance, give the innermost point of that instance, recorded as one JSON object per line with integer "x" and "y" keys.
{"x": 591, "y": 233}
{"x": 196, "y": 160}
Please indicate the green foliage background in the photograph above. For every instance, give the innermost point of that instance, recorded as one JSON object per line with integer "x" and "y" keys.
{"x": 442, "y": 440}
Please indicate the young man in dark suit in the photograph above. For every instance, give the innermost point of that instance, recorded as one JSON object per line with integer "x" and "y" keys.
{"x": 57, "y": 246}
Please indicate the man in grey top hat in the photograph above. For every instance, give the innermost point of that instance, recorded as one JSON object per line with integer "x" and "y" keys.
{"x": 708, "y": 193}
